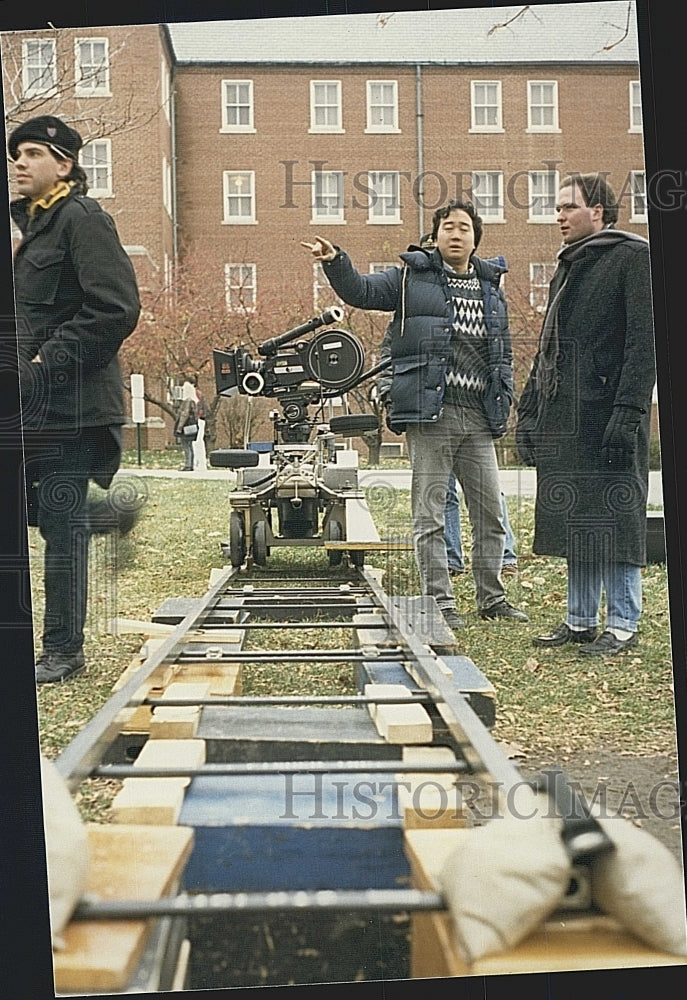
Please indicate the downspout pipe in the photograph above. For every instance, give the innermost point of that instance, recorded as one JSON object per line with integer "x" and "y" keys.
{"x": 419, "y": 187}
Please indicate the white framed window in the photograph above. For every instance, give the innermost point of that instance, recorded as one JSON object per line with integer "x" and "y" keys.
{"x": 237, "y": 106}
{"x": 486, "y": 109}
{"x": 165, "y": 87}
{"x": 638, "y": 209}
{"x": 92, "y": 64}
{"x": 167, "y": 185}
{"x": 384, "y": 207}
{"x": 382, "y": 265}
{"x": 541, "y": 274}
{"x": 38, "y": 69}
{"x": 96, "y": 159}
{"x": 327, "y": 196}
{"x": 543, "y": 187}
{"x": 323, "y": 293}
{"x": 325, "y": 106}
{"x": 636, "y": 117}
{"x": 382, "y": 106}
{"x": 239, "y": 197}
{"x": 542, "y": 106}
{"x": 240, "y": 287}
{"x": 487, "y": 194}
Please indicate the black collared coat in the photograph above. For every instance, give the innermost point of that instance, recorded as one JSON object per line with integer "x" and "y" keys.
{"x": 583, "y": 508}
{"x": 76, "y": 301}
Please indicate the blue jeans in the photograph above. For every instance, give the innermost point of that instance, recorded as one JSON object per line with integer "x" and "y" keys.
{"x": 623, "y": 585}
{"x": 452, "y": 530}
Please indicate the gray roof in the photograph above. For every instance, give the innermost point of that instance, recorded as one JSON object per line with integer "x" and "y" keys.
{"x": 537, "y": 33}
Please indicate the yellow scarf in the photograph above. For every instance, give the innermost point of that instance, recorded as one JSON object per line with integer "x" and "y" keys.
{"x": 60, "y": 190}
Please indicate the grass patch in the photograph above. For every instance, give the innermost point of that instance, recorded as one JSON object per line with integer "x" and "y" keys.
{"x": 548, "y": 701}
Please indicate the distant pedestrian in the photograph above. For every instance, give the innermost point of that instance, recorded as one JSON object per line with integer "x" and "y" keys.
{"x": 186, "y": 423}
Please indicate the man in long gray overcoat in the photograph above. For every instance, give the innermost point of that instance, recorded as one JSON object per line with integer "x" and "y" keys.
{"x": 584, "y": 418}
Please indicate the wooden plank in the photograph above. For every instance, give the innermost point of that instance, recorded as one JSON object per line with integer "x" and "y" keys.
{"x": 170, "y": 753}
{"x": 149, "y": 801}
{"x": 223, "y": 679}
{"x": 127, "y": 862}
{"x": 399, "y": 724}
{"x": 564, "y": 943}
{"x": 372, "y": 630}
{"x": 430, "y": 800}
{"x": 127, "y": 626}
{"x": 174, "y": 722}
{"x": 178, "y": 722}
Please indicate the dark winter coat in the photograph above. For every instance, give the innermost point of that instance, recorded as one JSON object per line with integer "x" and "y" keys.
{"x": 606, "y": 357}
{"x": 76, "y": 301}
{"x": 419, "y": 335}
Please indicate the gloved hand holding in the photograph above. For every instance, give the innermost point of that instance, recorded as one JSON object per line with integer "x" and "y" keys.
{"x": 386, "y": 403}
{"x": 619, "y": 443}
{"x": 524, "y": 444}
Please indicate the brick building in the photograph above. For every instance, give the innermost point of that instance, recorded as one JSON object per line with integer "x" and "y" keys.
{"x": 247, "y": 137}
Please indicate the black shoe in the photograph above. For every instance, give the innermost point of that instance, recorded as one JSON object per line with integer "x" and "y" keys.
{"x": 608, "y": 645}
{"x": 452, "y": 618}
{"x": 186, "y": 468}
{"x": 504, "y": 610}
{"x": 564, "y": 634}
{"x": 51, "y": 667}
{"x": 105, "y": 517}
{"x": 454, "y": 571}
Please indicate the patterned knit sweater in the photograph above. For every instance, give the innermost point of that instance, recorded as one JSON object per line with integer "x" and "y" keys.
{"x": 465, "y": 378}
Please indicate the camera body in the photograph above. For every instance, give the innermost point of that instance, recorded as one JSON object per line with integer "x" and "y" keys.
{"x": 307, "y": 493}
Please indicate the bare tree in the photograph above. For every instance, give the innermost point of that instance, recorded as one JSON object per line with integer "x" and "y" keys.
{"x": 50, "y": 85}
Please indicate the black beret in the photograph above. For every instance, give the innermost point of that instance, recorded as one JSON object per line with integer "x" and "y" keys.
{"x": 51, "y": 132}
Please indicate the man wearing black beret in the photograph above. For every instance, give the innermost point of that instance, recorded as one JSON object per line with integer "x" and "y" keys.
{"x": 76, "y": 301}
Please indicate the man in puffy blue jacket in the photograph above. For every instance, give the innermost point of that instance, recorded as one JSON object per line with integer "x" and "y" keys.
{"x": 450, "y": 389}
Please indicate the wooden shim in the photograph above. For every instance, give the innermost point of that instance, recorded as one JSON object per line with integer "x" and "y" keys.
{"x": 430, "y": 800}
{"x": 149, "y": 801}
{"x": 127, "y": 862}
{"x": 128, "y": 626}
{"x": 564, "y": 943}
{"x": 175, "y": 722}
{"x": 372, "y": 630}
{"x": 170, "y": 753}
{"x": 399, "y": 724}
{"x": 223, "y": 679}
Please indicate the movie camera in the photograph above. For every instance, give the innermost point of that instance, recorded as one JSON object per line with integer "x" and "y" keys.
{"x": 311, "y": 483}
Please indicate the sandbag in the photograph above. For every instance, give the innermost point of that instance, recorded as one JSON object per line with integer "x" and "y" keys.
{"x": 504, "y": 879}
{"x": 67, "y": 851}
{"x": 641, "y": 884}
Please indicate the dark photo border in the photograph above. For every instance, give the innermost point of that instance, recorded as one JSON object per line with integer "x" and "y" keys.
{"x": 25, "y": 967}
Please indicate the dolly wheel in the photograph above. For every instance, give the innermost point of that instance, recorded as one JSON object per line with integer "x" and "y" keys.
{"x": 334, "y": 534}
{"x": 260, "y": 550}
{"x": 237, "y": 539}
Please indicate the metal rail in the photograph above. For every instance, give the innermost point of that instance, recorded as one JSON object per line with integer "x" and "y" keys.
{"x": 479, "y": 754}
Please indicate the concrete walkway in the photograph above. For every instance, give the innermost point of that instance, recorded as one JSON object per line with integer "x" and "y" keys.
{"x": 514, "y": 482}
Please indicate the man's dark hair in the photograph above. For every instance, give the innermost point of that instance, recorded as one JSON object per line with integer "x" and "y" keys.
{"x": 78, "y": 175}
{"x": 454, "y": 206}
{"x": 595, "y": 191}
